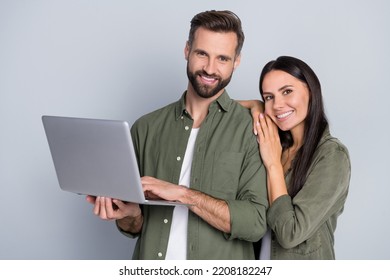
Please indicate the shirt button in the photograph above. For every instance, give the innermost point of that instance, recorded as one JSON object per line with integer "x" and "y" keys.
{"x": 182, "y": 117}
{"x": 159, "y": 254}
{"x": 178, "y": 158}
{"x": 219, "y": 110}
{"x": 165, "y": 221}
{"x": 186, "y": 127}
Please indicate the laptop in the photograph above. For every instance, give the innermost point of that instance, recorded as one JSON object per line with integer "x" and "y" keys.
{"x": 96, "y": 157}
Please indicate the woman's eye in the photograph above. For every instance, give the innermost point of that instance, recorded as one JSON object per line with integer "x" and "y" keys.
{"x": 287, "y": 91}
{"x": 267, "y": 97}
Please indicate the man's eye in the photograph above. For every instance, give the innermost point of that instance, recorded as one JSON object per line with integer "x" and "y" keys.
{"x": 224, "y": 59}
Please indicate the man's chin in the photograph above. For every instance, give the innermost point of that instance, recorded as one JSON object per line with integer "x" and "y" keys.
{"x": 207, "y": 94}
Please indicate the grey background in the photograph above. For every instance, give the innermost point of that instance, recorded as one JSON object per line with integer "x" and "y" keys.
{"x": 121, "y": 59}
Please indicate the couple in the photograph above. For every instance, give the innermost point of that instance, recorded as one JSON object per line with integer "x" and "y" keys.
{"x": 201, "y": 151}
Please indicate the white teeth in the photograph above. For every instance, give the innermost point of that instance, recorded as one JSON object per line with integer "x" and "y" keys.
{"x": 208, "y": 79}
{"x": 284, "y": 115}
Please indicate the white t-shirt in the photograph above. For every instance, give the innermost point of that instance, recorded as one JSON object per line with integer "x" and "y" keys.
{"x": 177, "y": 244}
{"x": 265, "y": 251}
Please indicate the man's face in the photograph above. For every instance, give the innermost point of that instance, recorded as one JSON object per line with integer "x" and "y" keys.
{"x": 211, "y": 61}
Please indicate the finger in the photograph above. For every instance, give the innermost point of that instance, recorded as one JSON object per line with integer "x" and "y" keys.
{"x": 273, "y": 128}
{"x": 260, "y": 134}
{"x": 96, "y": 208}
{"x": 103, "y": 213}
{"x": 150, "y": 183}
{"x": 119, "y": 204}
{"x": 150, "y": 192}
{"x": 264, "y": 125}
{"x": 270, "y": 127}
{"x": 127, "y": 209}
{"x": 152, "y": 196}
{"x": 148, "y": 180}
{"x": 255, "y": 122}
{"x": 91, "y": 199}
{"x": 109, "y": 208}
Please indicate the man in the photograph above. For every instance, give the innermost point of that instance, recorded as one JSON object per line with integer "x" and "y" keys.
{"x": 199, "y": 151}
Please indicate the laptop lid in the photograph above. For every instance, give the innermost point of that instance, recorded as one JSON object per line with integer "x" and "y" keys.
{"x": 95, "y": 157}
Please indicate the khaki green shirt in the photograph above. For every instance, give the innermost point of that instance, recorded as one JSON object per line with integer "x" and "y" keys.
{"x": 303, "y": 227}
{"x": 226, "y": 165}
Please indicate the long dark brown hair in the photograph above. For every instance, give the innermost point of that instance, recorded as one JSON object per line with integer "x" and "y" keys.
{"x": 315, "y": 122}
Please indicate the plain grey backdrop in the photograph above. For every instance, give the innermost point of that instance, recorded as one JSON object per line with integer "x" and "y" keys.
{"x": 121, "y": 59}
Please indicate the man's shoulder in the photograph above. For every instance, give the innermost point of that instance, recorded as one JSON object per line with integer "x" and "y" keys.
{"x": 240, "y": 111}
{"x": 158, "y": 113}
{"x": 156, "y": 116}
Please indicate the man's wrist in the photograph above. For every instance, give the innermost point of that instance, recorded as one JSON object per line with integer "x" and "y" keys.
{"x": 131, "y": 224}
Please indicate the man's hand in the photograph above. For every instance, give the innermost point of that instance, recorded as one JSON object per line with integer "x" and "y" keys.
{"x": 113, "y": 209}
{"x": 128, "y": 215}
{"x": 159, "y": 189}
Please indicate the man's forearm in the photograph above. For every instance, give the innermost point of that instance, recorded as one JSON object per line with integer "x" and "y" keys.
{"x": 212, "y": 210}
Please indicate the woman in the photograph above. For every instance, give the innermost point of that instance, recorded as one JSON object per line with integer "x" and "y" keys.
{"x": 308, "y": 170}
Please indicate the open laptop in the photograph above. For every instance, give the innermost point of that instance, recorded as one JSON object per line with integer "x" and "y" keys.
{"x": 96, "y": 157}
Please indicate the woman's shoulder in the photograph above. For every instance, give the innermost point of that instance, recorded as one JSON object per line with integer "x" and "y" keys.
{"x": 330, "y": 144}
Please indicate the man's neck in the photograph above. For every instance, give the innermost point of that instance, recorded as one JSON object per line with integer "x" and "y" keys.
{"x": 198, "y": 107}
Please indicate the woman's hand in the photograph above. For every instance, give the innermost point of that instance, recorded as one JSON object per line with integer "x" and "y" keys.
{"x": 269, "y": 141}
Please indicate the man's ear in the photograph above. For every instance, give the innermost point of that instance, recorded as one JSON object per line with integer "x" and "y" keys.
{"x": 187, "y": 50}
{"x": 237, "y": 62}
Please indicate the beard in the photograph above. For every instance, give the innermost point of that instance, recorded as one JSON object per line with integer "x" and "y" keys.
{"x": 203, "y": 90}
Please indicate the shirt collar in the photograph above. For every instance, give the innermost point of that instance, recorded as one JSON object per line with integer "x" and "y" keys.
{"x": 224, "y": 102}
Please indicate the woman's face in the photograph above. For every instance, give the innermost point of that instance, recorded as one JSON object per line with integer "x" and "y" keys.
{"x": 286, "y": 100}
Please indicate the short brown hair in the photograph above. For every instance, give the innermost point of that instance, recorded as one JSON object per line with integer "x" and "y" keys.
{"x": 218, "y": 21}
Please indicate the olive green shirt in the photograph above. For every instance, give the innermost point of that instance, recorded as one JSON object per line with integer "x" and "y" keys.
{"x": 303, "y": 227}
{"x": 226, "y": 165}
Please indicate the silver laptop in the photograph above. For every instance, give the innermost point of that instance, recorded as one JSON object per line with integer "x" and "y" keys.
{"x": 96, "y": 157}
